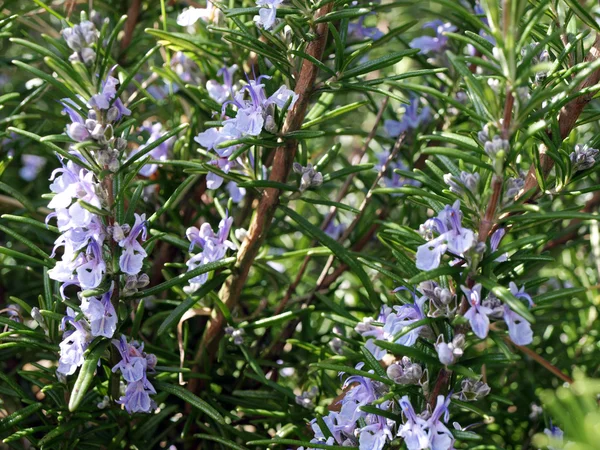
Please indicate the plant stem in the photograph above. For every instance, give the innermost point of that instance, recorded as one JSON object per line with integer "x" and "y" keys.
{"x": 269, "y": 200}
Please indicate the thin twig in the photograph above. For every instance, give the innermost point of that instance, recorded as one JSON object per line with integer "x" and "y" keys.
{"x": 269, "y": 200}
{"x": 541, "y": 361}
{"x": 333, "y": 210}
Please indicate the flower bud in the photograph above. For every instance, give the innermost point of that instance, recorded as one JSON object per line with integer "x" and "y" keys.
{"x": 583, "y": 157}
{"x": 112, "y": 114}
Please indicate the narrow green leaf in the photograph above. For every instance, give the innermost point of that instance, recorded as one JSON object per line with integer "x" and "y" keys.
{"x": 17, "y": 195}
{"x": 19, "y": 416}
{"x": 190, "y": 398}
{"x": 179, "y": 280}
{"x": 340, "y": 251}
{"x": 412, "y": 352}
{"x": 378, "y": 63}
{"x": 86, "y": 374}
{"x": 189, "y": 302}
{"x": 220, "y": 440}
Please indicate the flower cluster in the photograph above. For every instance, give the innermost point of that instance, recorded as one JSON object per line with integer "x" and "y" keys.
{"x": 254, "y": 113}
{"x": 426, "y": 430}
{"x": 80, "y": 38}
{"x": 349, "y": 425}
{"x": 133, "y": 366}
{"x": 99, "y": 319}
{"x": 393, "y": 322}
{"x": 83, "y": 232}
{"x": 213, "y": 245}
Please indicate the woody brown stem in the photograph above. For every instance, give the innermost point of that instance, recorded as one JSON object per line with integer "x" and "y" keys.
{"x": 566, "y": 122}
{"x": 269, "y": 200}
{"x": 541, "y": 361}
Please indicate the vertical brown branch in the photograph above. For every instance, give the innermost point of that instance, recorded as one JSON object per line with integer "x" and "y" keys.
{"x": 566, "y": 121}
{"x": 132, "y": 17}
{"x": 282, "y": 164}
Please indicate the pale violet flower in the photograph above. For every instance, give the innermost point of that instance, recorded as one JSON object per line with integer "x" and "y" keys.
{"x": 433, "y": 44}
{"x": 358, "y": 30}
{"x": 107, "y": 98}
{"x": 413, "y": 430}
{"x": 448, "y": 353}
{"x": 556, "y": 436}
{"x": 214, "y": 247}
{"x": 222, "y": 92}
{"x": 477, "y": 314}
{"x": 133, "y": 366}
{"x": 101, "y": 315}
{"x": 267, "y": 13}
{"x": 32, "y": 166}
{"x": 495, "y": 243}
{"x": 394, "y": 322}
{"x": 411, "y": 119}
{"x": 452, "y": 237}
{"x": 191, "y": 15}
{"x": 133, "y": 254}
{"x": 73, "y": 345}
{"x": 158, "y": 153}
{"x": 519, "y": 329}
{"x": 440, "y": 437}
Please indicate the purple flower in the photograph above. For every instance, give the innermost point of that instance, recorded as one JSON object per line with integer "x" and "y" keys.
{"x": 477, "y": 314}
{"x": 101, "y": 314}
{"x": 132, "y": 257}
{"x": 133, "y": 364}
{"x": 73, "y": 345}
{"x": 414, "y": 428}
{"x": 520, "y": 293}
{"x": 221, "y": 92}
{"x": 236, "y": 193}
{"x": 556, "y": 436}
{"x": 103, "y": 99}
{"x": 394, "y": 321}
{"x": 448, "y": 353}
{"x": 393, "y": 179}
{"x": 359, "y": 31}
{"x": 267, "y": 13}
{"x": 158, "y": 153}
{"x": 440, "y": 437}
{"x": 519, "y": 329}
{"x": 191, "y": 15}
{"x": 452, "y": 237}
{"x": 335, "y": 231}
{"x": 213, "y": 245}
{"x": 375, "y": 435}
{"x": 495, "y": 243}
{"x": 32, "y": 166}
{"x": 80, "y": 38}
{"x": 91, "y": 273}
{"x": 133, "y": 367}
{"x": 137, "y": 397}
{"x": 433, "y": 44}
{"x": 411, "y": 120}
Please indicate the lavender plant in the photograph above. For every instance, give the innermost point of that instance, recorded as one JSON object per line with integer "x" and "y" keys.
{"x": 299, "y": 225}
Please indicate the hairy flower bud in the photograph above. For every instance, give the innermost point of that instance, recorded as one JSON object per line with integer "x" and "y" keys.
{"x": 583, "y": 157}
{"x": 309, "y": 176}
{"x": 472, "y": 390}
{"x": 405, "y": 372}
